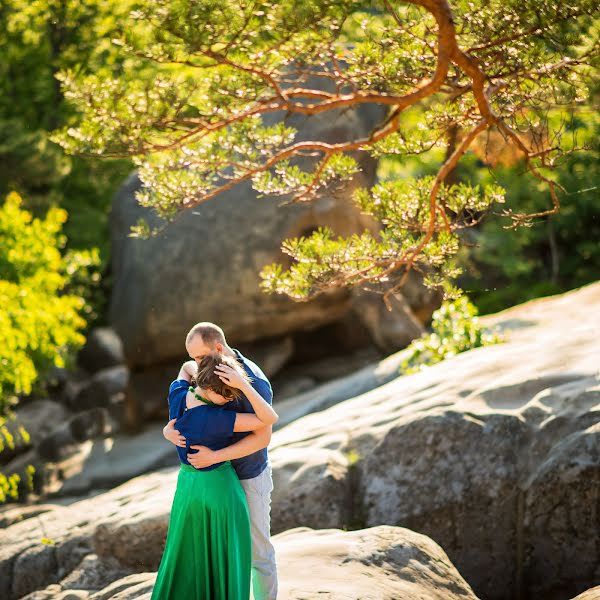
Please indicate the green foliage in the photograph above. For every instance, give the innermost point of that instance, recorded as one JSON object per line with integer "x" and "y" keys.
{"x": 202, "y": 84}
{"x": 42, "y": 308}
{"x": 455, "y": 329}
{"x": 503, "y": 267}
{"x": 10, "y": 484}
{"x": 40, "y": 322}
{"x": 38, "y": 38}
{"x": 403, "y": 207}
{"x": 9, "y": 487}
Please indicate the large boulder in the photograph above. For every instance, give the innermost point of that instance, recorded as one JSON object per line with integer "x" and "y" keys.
{"x": 43, "y": 549}
{"x": 107, "y": 389}
{"x": 205, "y": 265}
{"x": 103, "y": 349}
{"x": 380, "y": 563}
{"x": 31, "y": 423}
{"x": 494, "y": 454}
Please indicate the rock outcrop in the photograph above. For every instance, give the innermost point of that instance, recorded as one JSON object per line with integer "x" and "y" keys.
{"x": 42, "y": 549}
{"x": 494, "y": 454}
{"x": 380, "y": 563}
{"x": 205, "y": 265}
{"x": 591, "y": 594}
{"x": 103, "y": 349}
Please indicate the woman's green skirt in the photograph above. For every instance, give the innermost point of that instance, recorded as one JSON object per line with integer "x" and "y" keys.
{"x": 208, "y": 550}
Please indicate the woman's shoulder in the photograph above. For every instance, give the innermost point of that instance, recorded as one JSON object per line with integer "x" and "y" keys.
{"x": 177, "y": 393}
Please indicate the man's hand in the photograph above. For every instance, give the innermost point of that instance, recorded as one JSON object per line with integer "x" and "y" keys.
{"x": 173, "y": 435}
{"x": 205, "y": 457}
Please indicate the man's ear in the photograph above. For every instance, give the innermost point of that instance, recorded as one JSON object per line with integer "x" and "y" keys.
{"x": 219, "y": 347}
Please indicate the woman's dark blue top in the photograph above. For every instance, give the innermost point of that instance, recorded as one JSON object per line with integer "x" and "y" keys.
{"x": 205, "y": 425}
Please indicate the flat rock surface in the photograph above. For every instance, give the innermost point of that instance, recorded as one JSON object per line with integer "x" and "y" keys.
{"x": 379, "y": 563}
{"x": 505, "y": 435}
{"x": 493, "y": 454}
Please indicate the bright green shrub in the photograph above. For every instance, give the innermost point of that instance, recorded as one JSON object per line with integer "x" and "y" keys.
{"x": 40, "y": 322}
{"x": 455, "y": 328}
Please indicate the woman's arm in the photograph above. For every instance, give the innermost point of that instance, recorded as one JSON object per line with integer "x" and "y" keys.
{"x": 247, "y": 422}
{"x": 264, "y": 412}
{"x": 205, "y": 457}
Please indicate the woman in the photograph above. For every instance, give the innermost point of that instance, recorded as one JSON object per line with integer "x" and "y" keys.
{"x": 208, "y": 554}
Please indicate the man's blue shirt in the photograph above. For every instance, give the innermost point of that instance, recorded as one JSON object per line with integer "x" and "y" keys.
{"x": 254, "y": 464}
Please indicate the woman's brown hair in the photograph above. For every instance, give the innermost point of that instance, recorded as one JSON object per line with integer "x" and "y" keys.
{"x": 206, "y": 378}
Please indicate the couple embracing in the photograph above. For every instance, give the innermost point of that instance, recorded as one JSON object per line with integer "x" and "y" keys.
{"x": 219, "y": 532}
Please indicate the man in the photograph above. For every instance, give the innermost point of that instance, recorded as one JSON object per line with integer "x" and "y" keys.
{"x": 248, "y": 455}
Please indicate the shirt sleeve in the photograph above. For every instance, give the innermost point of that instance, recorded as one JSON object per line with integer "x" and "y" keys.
{"x": 263, "y": 387}
{"x": 177, "y": 392}
{"x": 221, "y": 422}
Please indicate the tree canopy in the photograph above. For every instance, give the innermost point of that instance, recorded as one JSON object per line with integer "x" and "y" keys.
{"x": 201, "y": 101}
{"x": 39, "y": 38}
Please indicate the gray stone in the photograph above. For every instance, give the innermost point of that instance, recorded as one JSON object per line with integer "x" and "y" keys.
{"x": 63, "y": 441}
{"x": 332, "y": 367}
{"x": 136, "y": 543}
{"x": 494, "y": 454}
{"x": 147, "y": 394}
{"x": 34, "y": 568}
{"x": 106, "y": 389}
{"x": 138, "y": 586}
{"x": 49, "y": 593}
{"x": 325, "y": 395}
{"x": 102, "y": 349}
{"x": 115, "y": 460}
{"x": 272, "y": 355}
{"x": 10, "y": 514}
{"x": 380, "y": 563}
{"x": 206, "y": 265}
{"x": 37, "y": 419}
{"x": 560, "y": 507}
{"x": 391, "y": 329}
{"x": 591, "y": 594}
{"x": 310, "y": 487}
{"x": 292, "y": 386}
{"x": 93, "y": 574}
{"x": 445, "y": 475}
{"x": 74, "y": 595}
{"x": 71, "y": 529}
{"x": 70, "y": 554}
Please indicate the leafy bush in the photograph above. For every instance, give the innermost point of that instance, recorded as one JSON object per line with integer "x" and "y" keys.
{"x": 455, "y": 328}
{"x": 10, "y": 484}
{"x": 40, "y": 321}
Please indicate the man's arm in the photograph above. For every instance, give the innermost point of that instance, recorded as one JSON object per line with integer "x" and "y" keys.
{"x": 188, "y": 369}
{"x": 255, "y": 441}
{"x": 172, "y": 435}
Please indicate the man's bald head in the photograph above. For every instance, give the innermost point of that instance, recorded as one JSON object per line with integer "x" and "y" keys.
{"x": 209, "y": 333}
{"x": 204, "y": 339}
